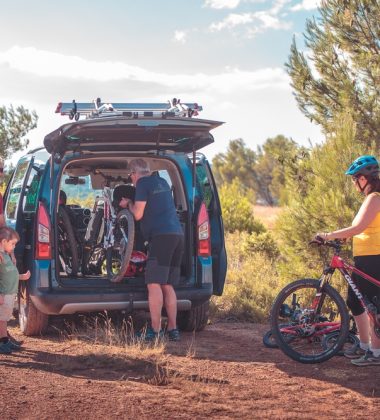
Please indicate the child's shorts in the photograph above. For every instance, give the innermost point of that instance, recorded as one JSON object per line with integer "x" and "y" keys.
{"x": 6, "y": 309}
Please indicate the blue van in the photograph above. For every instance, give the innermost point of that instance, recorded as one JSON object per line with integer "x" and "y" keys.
{"x": 74, "y": 163}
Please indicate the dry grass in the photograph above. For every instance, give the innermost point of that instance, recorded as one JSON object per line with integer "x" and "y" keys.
{"x": 267, "y": 215}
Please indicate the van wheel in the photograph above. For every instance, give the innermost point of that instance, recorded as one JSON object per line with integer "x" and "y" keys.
{"x": 196, "y": 319}
{"x": 31, "y": 320}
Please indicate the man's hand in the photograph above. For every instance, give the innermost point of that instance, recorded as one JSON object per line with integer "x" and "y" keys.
{"x": 25, "y": 276}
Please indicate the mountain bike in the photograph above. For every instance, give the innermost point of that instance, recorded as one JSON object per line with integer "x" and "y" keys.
{"x": 67, "y": 244}
{"x": 310, "y": 310}
{"x": 109, "y": 237}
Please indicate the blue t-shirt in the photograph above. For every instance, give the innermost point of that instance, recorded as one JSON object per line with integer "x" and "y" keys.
{"x": 160, "y": 216}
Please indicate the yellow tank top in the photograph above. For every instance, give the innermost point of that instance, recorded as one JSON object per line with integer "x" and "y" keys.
{"x": 368, "y": 242}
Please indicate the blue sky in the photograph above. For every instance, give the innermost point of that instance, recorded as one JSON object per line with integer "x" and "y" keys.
{"x": 227, "y": 55}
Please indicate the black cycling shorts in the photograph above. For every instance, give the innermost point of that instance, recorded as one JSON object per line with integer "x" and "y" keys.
{"x": 164, "y": 259}
{"x": 369, "y": 264}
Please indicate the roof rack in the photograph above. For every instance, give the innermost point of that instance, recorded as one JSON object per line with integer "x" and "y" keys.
{"x": 97, "y": 108}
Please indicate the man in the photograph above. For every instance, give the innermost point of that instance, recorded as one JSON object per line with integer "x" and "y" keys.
{"x": 160, "y": 226}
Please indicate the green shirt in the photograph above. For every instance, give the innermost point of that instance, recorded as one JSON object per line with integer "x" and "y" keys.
{"x": 8, "y": 276}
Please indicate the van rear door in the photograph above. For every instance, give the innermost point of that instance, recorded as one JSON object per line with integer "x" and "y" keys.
{"x": 211, "y": 199}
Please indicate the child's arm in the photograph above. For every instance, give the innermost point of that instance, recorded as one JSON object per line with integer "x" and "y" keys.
{"x": 25, "y": 276}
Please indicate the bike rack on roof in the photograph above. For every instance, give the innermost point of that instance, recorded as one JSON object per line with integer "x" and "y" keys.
{"x": 96, "y": 109}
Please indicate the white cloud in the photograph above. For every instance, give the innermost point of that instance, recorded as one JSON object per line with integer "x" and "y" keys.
{"x": 306, "y": 5}
{"x": 232, "y": 20}
{"x": 222, "y": 4}
{"x": 254, "y": 22}
{"x": 46, "y": 64}
{"x": 180, "y": 36}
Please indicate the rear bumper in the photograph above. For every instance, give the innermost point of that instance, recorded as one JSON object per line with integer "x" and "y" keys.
{"x": 68, "y": 302}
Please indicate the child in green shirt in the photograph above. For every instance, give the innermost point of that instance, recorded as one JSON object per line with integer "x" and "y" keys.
{"x": 9, "y": 278}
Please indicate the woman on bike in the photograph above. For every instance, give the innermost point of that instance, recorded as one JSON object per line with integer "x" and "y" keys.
{"x": 365, "y": 231}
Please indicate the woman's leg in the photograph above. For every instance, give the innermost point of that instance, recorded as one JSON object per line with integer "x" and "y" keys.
{"x": 362, "y": 324}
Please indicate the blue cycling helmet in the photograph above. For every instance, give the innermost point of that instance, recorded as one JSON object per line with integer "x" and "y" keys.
{"x": 364, "y": 165}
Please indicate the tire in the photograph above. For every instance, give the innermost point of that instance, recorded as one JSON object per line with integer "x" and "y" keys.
{"x": 196, "y": 319}
{"x": 118, "y": 256}
{"x": 270, "y": 342}
{"x": 67, "y": 244}
{"x": 89, "y": 246}
{"x": 306, "y": 326}
{"x": 31, "y": 320}
{"x": 352, "y": 341}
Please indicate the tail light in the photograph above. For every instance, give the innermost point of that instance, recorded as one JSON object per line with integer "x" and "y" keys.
{"x": 43, "y": 243}
{"x": 203, "y": 225}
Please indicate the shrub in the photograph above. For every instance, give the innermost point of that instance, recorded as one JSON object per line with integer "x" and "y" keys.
{"x": 252, "y": 283}
{"x": 262, "y": 242}
{"x": 237, "y": 209}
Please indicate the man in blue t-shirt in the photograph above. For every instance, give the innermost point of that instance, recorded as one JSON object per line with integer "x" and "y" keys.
{"x": 160, "y": 226}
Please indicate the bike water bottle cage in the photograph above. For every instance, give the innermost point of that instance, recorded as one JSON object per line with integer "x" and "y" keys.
{"x": 364, "y": 165}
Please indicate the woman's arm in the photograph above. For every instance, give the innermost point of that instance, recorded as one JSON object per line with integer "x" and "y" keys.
{"x": 365, "y": 215}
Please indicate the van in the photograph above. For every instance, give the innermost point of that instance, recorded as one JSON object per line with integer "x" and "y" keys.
{"x": 78, "y": 160}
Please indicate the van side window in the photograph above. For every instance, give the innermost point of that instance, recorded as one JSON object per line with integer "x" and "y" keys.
{"x": 15, "y": 190}
{"x": 30, "y": 200}
{"x": 204, "y": 185}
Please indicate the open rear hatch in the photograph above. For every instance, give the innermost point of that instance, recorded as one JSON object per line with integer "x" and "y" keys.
{"x": 134, "y": 134}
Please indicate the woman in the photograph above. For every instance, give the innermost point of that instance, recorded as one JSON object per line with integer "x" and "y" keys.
{"x": 365, "y": 230}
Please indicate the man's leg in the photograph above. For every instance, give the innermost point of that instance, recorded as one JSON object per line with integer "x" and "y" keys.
{"x": 155, "y": 298}
{"x": 170, "y": 300}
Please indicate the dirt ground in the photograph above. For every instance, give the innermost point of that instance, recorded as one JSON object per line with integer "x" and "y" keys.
{"x": 222, "y": 372}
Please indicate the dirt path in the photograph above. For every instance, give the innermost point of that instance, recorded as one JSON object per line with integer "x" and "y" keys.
{"x": 223, "y": 372}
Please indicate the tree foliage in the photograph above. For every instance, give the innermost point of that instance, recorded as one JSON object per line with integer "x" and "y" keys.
{"x": 237, "y": 210}
{"x": 260, "y": 173}
{"x": 14, "y": 125}
{"x": 341, "y": 69}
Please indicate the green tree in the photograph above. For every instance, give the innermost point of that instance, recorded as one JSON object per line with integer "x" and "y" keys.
{"x": 238, "y": 162}
{"x": 261, "y": 173}
{"x": 14, "y": 125}
{"x": 341, "y": 69}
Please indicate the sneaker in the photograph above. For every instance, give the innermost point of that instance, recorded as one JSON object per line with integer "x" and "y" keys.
{"x": 174, "y": 335}
{"x": 5, "y": 348}
{"x": 354, "y": 352}
{"x": 150, "y": 335}
{"x": 367, "y": 360}
{"x": 14, "y": 341}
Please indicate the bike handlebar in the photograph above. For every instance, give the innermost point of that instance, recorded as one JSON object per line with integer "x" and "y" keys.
{"x": 319, "y": 241}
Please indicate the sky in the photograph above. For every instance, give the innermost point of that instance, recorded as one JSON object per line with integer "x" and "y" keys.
{"x": 227, "y": 55}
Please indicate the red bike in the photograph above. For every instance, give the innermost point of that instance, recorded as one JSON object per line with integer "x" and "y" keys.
{"x": 308, "y": 313}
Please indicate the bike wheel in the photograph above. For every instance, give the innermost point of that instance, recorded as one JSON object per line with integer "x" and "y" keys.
{"x": 95, "y": 233}
{"x": 270, "y": 342}
{"x": 67, "y": 244}
{"x": 119, "y": 254}
{"x": 294, "y": 307}
{"x": 352, "y": 342}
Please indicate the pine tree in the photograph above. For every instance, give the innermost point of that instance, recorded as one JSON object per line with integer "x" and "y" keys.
{"x": 340, "y": 69}
{"x": 14, "y": 125}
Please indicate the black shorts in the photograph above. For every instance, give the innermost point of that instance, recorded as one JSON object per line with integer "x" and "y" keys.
{"x": 164, "y": 259}
{"x": 369, "y": 264}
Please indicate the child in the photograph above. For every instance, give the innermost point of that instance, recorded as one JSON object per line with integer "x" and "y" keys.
{"x": 9, "y": 277}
